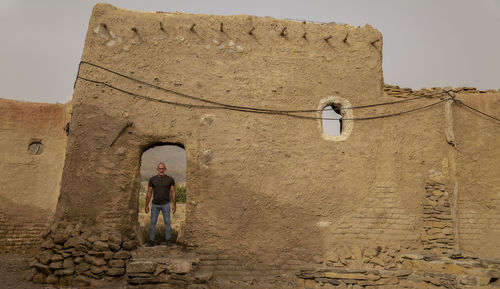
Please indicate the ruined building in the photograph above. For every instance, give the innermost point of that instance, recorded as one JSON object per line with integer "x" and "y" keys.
{"x": 407, "y": 195}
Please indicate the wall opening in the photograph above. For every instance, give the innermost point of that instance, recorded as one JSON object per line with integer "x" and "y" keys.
{"x": 339, "y": 123}
{"x": 332, "y": 120}
{"x": 35, "y": 147}
{"x": 174, "y": 158}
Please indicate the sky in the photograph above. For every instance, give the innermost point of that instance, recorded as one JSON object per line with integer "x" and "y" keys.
{"x": 426, "y": 42}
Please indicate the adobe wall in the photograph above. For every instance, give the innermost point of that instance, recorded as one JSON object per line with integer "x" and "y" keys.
{"x": 270, "y": 188}
{"x": 29, "y": 181}
{"x": 259, "y": 183}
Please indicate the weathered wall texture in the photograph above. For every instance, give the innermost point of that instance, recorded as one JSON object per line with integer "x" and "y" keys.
{"x": 268, "y": 184}
{"x": 477, "y": 162}
{"x": 29, "y": 182}
{"x": 261, "y": 183}
{"x": 270, "y": 188}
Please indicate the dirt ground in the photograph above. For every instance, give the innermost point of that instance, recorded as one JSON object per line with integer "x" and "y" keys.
{"x": 12, "y": 269}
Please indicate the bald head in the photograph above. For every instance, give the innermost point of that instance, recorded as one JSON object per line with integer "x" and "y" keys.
{"x": 161, "y": 168}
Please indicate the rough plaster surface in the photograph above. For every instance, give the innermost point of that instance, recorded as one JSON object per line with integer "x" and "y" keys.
{"x": 258, "y": 184}
{"x": 29, "y": 183}
{"x": 266, "y": 185}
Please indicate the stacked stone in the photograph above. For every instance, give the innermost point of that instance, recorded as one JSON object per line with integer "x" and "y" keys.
{"x": 380, "y": 257}
{"x": 394, "y": 90}
{"x": 178, "y": 272}
{"x": 438, "y": 235}
{"x": 74, "y": 255}
{"x": 351, "y": 278}
{"x": 412, "y": 270}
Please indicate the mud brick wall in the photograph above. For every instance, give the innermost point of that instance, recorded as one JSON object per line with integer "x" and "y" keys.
{"x": 20, "y": 233}
{"x": 29, "y": 176}
{"x": 478, "y": 178}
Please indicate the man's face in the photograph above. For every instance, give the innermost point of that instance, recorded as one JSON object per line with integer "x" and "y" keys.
{"x": 161, "y": 169}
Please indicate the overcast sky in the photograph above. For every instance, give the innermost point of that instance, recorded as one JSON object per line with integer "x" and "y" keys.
{"x": 426, "y": 42}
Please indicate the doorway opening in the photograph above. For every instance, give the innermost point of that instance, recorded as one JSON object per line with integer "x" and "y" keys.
{"x": 174, "y": 158}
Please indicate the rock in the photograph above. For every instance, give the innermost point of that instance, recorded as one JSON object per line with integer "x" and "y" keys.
{"x": 115, "y": 271}
{"x": 82, "y": 267}
{"x": 141, "y": 267}
{"x": 95, "y": 260}
{"x": 117, "y": 263}
{"x": 56, "y": 258}
{"x": 66, "y": 280}
{"x": 65, "y": 271}
{"x": 197, "y": 286}
{"x": 114, "y": 247}
{"x": 99, "y": 254}
{"x": 56, "y": 265}
{"x": 45, "y": 256}
{"x": 97, "y": 269}
{"x": 68, "y": 263}
{"x": 115, "y": 238}
{"x": 90, "y": 274}
{"x": 179, "y": 266}
{"x": 48, "y": 244}
{"x": 493, "y": 273}
{"x": 93, "y": 238}
{"x": 412, "y": 256}
{"x": 108, "y": 255}
{"x": 130, "y": 245}
{"x": 387, "y": 281}
{"x": 203, "y": 276}
{"x": 122, "y": 255}
{"x": 60, "y": 237}
{"x": 146, "y": 280}
{"x": 353, "y": 276}
{"x": 42, "y": 268}
{"x": 75, "y": 241}
{"x": 78, "y": 260}
{"x": 100, "y": 246}
{"x": 52, "y": 279}
{"x": 468, "y": 280}
{"x": 39, "y": 278}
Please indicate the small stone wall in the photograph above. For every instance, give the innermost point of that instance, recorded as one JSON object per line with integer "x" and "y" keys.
{"x": 438, "y": 234}
{"x": 401, "y": 269}
{"x": 76, "y": 255}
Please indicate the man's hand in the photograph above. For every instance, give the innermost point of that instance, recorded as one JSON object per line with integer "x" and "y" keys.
{"x": 146, "y": 209}
{"x": 173, "y": 209}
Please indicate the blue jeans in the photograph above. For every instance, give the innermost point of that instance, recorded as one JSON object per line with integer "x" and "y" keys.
{"x": 155, "y": 211}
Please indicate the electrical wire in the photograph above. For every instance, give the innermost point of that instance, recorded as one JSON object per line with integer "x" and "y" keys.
{"x": 244, "y": 107}
{"x": 476, "y": 110}
{"x": 254, "y": 111}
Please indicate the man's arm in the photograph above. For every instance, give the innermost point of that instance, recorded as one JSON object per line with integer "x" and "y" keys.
{"x": 148, "y": 198}
{"x": 172, "y": 194}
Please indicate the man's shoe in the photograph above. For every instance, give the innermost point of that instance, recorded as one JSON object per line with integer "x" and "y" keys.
{"x": 170, "y": 243}
{"x": 150, "y": 244}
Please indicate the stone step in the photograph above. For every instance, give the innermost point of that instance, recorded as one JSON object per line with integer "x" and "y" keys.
{"x": 160, "y": 251}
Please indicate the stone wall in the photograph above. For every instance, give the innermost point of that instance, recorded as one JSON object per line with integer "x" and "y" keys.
{"x": 29, "y": 175}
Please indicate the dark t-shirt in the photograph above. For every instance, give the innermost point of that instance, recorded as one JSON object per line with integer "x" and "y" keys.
{"x": 161, "y": 189}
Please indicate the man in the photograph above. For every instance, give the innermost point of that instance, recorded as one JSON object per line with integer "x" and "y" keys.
{"x": 163, "y": 187}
